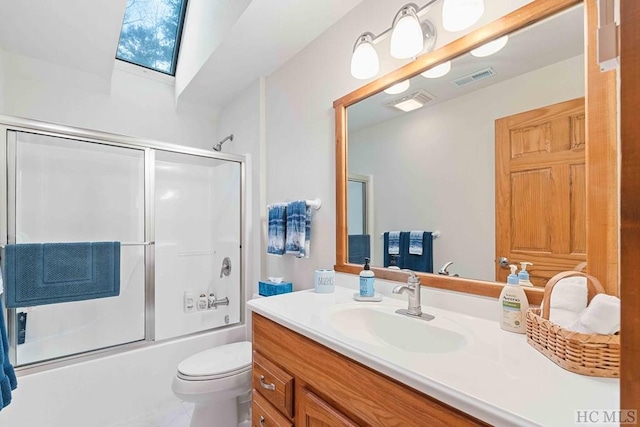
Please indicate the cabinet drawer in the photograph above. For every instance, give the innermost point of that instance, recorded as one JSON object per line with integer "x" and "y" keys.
{"x": 273, "y": 383}
{"x": 263, "y": 414}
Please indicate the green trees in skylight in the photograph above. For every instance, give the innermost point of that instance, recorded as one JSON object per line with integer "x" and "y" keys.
{"x": 150, "y": 34}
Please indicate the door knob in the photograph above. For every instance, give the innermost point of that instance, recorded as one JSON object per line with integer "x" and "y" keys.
{"x": 504, "y": 262}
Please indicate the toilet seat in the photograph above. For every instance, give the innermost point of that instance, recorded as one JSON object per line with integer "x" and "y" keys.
{"x": 217, "y": 363}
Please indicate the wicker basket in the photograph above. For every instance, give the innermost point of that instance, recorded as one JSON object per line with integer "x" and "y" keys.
{"x": 586, "y": 354}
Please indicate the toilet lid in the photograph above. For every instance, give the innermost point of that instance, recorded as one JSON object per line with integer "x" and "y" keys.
{"x": 218, "y": 361}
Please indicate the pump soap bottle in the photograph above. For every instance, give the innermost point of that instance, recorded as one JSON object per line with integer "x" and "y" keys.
{"x": 513, "y": 305}
{"x": 366, "y": 280}
{"x": 523, "y": 276}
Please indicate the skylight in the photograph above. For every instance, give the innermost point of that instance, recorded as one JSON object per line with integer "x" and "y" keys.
{"x": 150, "y": 35}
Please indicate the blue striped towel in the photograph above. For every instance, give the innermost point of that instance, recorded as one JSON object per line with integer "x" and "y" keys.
{"x": 416, "y": 242}
{"x": 298, "y": 229}
{"x": 277, "y": 228}
{"x": 394, "y": 243}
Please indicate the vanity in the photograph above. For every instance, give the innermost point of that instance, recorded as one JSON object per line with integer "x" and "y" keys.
{"x": 325, "y": 359}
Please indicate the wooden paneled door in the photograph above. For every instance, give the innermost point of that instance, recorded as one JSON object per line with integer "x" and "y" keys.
{"x": 541, "y": 191}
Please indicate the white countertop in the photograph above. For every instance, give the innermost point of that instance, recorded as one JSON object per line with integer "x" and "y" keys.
{"x": 497, "y": 377}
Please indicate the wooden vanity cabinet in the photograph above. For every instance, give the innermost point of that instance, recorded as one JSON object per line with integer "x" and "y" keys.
{"x": 329, "y": 389}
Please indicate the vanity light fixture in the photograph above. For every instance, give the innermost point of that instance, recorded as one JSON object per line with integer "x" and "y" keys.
{"x": 437, "y": 71}
{"x": 458, "y": 15}
{"x": 409, "y": 38}
{"x": 490, "y": 48}
{"x": 364, "y": 61}
{"x": 398, "y": 88}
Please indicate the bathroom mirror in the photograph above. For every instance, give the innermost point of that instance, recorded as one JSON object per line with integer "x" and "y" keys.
{"x": 433, "y": 168}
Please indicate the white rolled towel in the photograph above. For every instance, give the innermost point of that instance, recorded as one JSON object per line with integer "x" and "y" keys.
{"x": 602, "y": 316}
{"x": 565, "y": 318}
{"x": 570, "y": 294}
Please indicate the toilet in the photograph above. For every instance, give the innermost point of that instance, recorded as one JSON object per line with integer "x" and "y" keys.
{"x": 218, "y": 381}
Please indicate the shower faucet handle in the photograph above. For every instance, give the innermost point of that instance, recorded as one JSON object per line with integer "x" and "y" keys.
{"x": 226, "y": 267}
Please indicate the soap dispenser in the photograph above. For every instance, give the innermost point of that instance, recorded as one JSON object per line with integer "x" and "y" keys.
{"x": 513, "y": 304}
{"x": 523, "y": 276}
{"x": 367, "y": 278}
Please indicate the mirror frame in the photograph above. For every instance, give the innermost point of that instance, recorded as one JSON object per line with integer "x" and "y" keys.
{"x": 601, "y": 158}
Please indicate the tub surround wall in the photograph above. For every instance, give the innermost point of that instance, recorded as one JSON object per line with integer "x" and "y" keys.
{"x": 244, "y": 118}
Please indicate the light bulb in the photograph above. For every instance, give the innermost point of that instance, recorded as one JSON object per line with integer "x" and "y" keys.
{"x": 490, "y": 48}
{"x": 458, "y": 15}
{"x": 364, "y": 61}
{"x": 398, "y": 88}
{"x": 407, "y": 39}
{"x": 437, "y": 71}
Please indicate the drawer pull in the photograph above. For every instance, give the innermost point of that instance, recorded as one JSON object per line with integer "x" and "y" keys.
{"x": 261, "y": 421}
{"x": 271, "y": 386}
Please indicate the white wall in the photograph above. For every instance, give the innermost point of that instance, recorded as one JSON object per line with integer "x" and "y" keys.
{"x": 452, "y": 187}
{"x": 300, "y": 121}
{"x": 2, "y": 80}
{"x": 206, "y": 23}
{"x": 129, "y": 104}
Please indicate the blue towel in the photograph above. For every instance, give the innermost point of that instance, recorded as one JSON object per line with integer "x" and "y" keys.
{"x": 359, "y": 248}
{"x": 424, "y": 261}
{"x": 398, "y": 259}
{"x": 415, "y": 242}
{"x": 277, "y": 228}
{"x": 49, "y": 273}
{"x": 298, "y": 222}
{"x": 394, "y": 243}
{"x": 8, "y": 379}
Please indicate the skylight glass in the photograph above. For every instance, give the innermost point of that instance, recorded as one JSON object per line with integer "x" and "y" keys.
{"x": 150, "y": 35}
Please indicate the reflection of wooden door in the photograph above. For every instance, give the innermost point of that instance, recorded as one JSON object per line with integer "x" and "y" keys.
{"x": 540, "y": 190}
{"x": 315, "y": 412}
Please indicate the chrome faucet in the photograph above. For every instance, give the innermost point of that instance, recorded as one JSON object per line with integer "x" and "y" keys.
{"x": 444, "y": 270}
{"x": 412, "y": 288}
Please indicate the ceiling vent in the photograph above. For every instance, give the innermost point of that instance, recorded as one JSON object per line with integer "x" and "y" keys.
{"x": 411, "y": 101}
{"x": 485, "y": 73}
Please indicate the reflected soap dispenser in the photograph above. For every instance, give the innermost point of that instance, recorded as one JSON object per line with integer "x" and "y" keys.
{"x": 367, "y": 278}
{"x": 513, "y": 304}
{"x": 523, "y": 275}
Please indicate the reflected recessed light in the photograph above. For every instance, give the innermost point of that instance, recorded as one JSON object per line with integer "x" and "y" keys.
{"x": 437, "y": 71}
{"x": 490, "y": 48}
{"x": 408, "y": 105}
{"x": 398, "y": 88}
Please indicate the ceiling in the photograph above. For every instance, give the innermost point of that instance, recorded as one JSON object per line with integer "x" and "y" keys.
{"x": 548, "y": 42}
{"x": 83, "y": 35}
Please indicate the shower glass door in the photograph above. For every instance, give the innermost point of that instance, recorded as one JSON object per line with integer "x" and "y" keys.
{"x": 197, "y": 232}
{"x": 66, "y": 190}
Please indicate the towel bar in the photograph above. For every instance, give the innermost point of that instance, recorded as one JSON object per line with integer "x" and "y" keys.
{"x": 434, "y": 234}
{"x": 315, "y": 204}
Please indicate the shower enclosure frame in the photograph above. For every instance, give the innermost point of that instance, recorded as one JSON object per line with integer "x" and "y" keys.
{"x": 149, "y": 147}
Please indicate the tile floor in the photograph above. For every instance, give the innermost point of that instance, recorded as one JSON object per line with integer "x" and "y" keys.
{"x": 176, "y": 414}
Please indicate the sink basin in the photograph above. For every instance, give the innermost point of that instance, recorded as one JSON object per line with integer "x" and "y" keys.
{"x": 381, "y": 326}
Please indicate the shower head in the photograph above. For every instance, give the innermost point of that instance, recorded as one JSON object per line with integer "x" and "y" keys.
{"x": 218, "y": 146}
